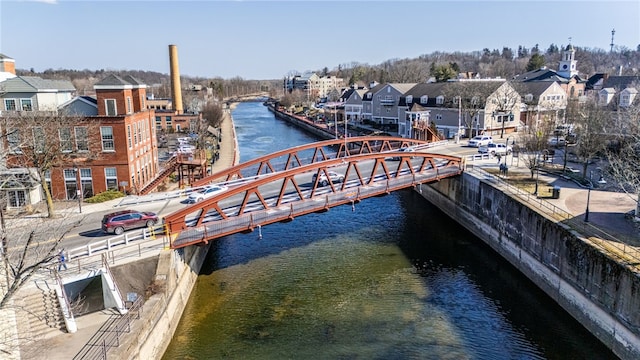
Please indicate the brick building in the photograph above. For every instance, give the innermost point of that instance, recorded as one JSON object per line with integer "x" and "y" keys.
{"x": 109, "y": 142}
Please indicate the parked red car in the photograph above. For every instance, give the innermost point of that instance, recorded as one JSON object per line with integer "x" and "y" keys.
{"x": 119, "y": 221}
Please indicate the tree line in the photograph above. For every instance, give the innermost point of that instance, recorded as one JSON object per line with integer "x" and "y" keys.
{"x": 504, "y": 63}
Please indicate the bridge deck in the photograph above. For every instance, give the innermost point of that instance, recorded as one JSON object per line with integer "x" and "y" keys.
{"x": 285, "y": 194}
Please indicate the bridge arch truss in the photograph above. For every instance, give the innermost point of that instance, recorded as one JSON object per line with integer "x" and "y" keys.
{"x": 283, "y": 195}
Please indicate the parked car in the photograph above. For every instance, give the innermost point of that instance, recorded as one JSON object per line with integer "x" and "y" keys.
{"x": 119, "y": 221}
{"x": 495, "y": 149}
{"x": 557, "y": 142}
{"x": 480, "y": 140}
{"x": 404, "y": 149}
{"x": 333, "y": 177}
{"x": 206, "y": 192}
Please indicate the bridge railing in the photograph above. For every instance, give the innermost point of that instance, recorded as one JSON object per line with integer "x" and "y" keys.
{"x": 249, "y": 221}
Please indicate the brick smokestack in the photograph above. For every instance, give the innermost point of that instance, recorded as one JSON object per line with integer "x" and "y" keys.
{"x": 176, "y": 92}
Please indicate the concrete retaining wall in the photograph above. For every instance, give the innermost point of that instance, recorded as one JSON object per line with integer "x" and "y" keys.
{"x": 602, "y": 294}
{"x": 176, "y": 275}
{"x": 310, "y": 128}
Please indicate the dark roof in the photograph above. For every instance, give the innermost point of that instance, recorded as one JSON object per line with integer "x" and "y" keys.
{"x": 620, "y": 82}
{"x": 132, "y": 80}
{"x": 534, "y": 88}
{"x": 90, "y": 99}
{"x": 542, "y": 74}
{"x": 373, "y": 90}
{"x": 345, "y": 95}
{"x": 593, "y": 80}
{"x": 113, "y": 80}
{"x": 433, "y": 90}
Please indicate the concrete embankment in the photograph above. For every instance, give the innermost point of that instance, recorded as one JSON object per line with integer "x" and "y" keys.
{"x": 602, "y": 293}
{"x": 319, "y": 130}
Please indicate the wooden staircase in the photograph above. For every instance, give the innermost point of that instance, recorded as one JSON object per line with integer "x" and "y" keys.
{"x": 171, "y": 166}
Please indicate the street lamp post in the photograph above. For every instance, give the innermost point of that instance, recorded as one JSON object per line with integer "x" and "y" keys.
{"x": 79, "y": 190}
{"x": 335, "y": 119}
{"x": 586, "y": 211}
{"x": 537, "y": 165}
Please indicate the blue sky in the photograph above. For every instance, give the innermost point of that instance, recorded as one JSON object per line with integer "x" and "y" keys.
{"x": 270, "y": 39}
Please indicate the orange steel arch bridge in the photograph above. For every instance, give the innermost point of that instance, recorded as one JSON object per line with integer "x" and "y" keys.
{"x": 283, "y": 185}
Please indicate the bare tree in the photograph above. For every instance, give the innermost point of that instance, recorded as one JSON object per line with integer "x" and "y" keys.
{"x": 590, "y": 128}
{"x": 473, "y": 97}
{"x": 506, "y": 101}
{"x": 46, "y": 140}
{"x": 212, "y": 115}
{"x": 624, "y": 159}
{"x": 28, "y": 247}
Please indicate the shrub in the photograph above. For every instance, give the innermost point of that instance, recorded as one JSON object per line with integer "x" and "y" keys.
{"x": 105, "y": 196}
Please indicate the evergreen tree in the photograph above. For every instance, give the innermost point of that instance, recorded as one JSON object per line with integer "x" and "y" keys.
{"x": 535, "y": 62}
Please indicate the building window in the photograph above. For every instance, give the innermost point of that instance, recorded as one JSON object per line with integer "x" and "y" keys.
{"x": 47, "y": 179}
{"x": 129, "y": 106}
{"x": 71, "y": 183}
{"x": 438, "y": 117}
{"x": 167, "y": 121}
{"x": 87, "y": 183}
{"x": 424, "y": 99}
{"x": 528, "y": 98}
{"x": 10, "y": 104}
{"x": 624, "y": 100}
{"x": 440, "y": 100}
{"x": 17, "y": 198}
{"x": 129, "y": 135}
{"x": 13, "y": 140}
{"x": 158, "y": 123}
{"x": 25, "y": 105}
{"x": 39, "y": 141}
{"x": 65, "y": 139}
{"x": 112, "y": 178}
{"x": 82, "y": 139}
{"x": 106, "y": 132}
{"x": 110, "y": 106}
{"x": 135, "y": 134}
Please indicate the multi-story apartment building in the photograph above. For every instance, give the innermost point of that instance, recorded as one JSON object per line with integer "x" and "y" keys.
{"x": 314, "y": 87}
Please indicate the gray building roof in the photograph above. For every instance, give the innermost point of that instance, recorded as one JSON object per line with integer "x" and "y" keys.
{"x": 33, "y": 84}
{"x": 112, "y": 80}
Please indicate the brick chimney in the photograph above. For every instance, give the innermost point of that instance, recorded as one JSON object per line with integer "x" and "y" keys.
{"x": 176, "y": 89}
{"x": 7, "y": 64}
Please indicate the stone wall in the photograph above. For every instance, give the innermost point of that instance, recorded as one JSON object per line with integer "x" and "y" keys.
{"x": 601, "y": 293}
{"x": 176, "y": 274}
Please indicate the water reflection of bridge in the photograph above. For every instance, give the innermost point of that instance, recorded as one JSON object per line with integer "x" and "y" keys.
{"x": 280, "y": 186}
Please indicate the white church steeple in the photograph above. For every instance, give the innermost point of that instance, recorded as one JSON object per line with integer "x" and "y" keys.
{"x": 567, "y": 67}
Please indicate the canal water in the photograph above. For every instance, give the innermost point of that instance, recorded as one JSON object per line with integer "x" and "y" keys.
{"x": 391, "y": 278}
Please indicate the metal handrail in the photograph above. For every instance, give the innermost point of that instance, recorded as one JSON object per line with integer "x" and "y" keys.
{"x": 108, "y": 336}
{"x": 587, "y": 229}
